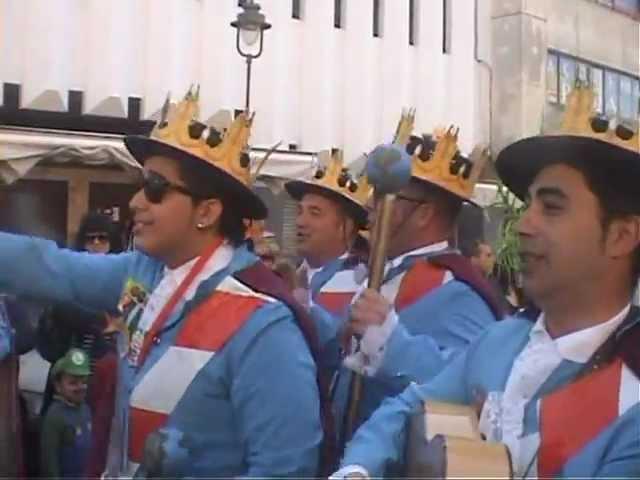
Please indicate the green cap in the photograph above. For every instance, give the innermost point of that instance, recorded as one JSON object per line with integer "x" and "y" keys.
{"x": 75, "y": 362}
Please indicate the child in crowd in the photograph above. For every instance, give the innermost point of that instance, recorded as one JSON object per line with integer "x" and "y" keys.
{"x": 66, "y": 428}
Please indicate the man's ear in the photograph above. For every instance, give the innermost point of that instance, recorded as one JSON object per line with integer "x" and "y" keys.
{"x": 623, "y": 236}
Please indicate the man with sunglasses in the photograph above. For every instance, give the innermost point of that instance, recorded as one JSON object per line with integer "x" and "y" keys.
{"x": 565, "y": 378}
{"x": 216, "y": 350}
{"x": 432, "y": 302}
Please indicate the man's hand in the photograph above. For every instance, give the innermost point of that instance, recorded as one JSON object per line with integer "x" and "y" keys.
{"x": 370, "y": 309}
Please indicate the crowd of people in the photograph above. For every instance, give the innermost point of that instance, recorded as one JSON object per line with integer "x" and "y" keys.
{"x": 202, "y": 353}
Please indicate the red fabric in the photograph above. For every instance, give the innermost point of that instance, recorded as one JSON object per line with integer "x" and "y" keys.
{"x": 573, "y": 416}
{"x": 201, "y": 333}
{"x": 102, "y": 403}
{"x": 335, "y": 302}
{"x": 166, "y": 311}
{"x": 142, "y": 423}
{"x": 463, "y": 271}
{"x": 417, "y": 282}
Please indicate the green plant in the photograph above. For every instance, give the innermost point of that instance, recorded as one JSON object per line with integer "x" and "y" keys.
{"x": 507, "y": 248}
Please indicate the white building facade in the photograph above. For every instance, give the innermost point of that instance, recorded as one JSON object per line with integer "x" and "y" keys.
{"x": 324, "y": 80}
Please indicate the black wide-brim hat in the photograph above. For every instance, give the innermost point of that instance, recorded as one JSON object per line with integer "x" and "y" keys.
{"x": 299, "y": 188}
{"x": 245, "y": 202}
{"x": 519, "y": 163}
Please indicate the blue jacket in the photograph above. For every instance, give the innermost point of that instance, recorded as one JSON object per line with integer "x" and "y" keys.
{"x": 220, "y": 411}
{"x": 438, "y": 316}
{"x": 611, "y": 450}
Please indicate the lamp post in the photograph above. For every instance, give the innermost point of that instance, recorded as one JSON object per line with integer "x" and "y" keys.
{"x": 250, "y": 26}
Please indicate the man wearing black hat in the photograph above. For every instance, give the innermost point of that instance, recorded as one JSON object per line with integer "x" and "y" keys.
{"x": 563, "y": 381}
{"x": 216, "y": 350}
{"x": 331, "y": 211}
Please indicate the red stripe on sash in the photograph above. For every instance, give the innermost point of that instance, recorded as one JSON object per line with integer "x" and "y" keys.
{"x": 417, "y": 282}
{"x": 215, "y": 321}
{"x": 335, "y": 302}
{"x": 573, "y": 416}
{"x": 141, "y": 424}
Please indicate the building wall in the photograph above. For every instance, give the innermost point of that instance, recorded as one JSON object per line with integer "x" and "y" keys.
{"x": 522, "y": 34}
{"x": 315, "y": 86}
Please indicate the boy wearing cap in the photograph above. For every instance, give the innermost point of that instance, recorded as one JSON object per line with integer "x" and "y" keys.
{"x": 568, "y": 374}
{"x": 66, "y": 428}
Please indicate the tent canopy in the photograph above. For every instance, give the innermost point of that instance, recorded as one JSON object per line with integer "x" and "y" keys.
{"x": 22, "y": 149}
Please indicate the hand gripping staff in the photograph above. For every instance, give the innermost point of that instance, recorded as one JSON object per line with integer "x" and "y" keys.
{"x": 388, "y": 171}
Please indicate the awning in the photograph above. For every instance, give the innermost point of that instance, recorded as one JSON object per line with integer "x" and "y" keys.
{"x": 22, "y": 149}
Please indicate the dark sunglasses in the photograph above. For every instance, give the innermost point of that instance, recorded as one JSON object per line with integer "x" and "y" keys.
{"x": 96, "y": 237}
{"x": 155, "y": 187}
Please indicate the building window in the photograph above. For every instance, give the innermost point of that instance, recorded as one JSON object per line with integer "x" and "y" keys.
{"x": 567, "y": 77}
{"x": 338, "y": 13}
{"x": 597, "y": 82}
{"x": 414, "y": 22}
{"x": 628, "y": 7}
{"x": 552, "y": 78}
{"x": 447, "y": 19}
{"x": 617, "y": 95}
{"x": 378, "y": 18}
{"x": 296, "y": 9}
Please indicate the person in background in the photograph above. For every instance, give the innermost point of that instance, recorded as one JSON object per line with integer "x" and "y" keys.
{"x": 482, "y": 257}
{"x": 66, "y": 428}
{"x": 65, "y": 326}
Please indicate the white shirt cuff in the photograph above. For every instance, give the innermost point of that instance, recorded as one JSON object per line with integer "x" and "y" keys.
{"x": 368, "y": 360}
{"x": 348, "y": 470}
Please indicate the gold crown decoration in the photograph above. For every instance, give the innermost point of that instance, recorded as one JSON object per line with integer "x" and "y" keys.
{"x": 580, "y": 119}
{"x": 405, "y": 127}
{"x": 180, "y": 128}
{"x": 336, "y": 177}
{"x": 443, "y": 165}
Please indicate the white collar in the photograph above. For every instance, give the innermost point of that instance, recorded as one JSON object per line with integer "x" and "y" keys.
{"x": 311, "y": 271}
{"x": 219, "y": 260}
{"x": 434, "y": 247}
{"x": 581, "y": 345}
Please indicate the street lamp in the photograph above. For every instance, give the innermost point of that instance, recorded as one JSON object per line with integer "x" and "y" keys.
{"x": 250, "y": 26}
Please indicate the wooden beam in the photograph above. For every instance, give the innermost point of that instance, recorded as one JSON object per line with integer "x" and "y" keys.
{"x": 77, "y": 205}
{"x": 91, "y": 175}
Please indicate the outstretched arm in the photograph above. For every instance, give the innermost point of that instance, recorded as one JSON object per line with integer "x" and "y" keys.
{"x": 39, "y": 269}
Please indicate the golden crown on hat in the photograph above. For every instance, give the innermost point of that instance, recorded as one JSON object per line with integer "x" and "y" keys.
{"x": 179, "y": 127}
{"x": 441, "y": 164}
{"x": 580, "y": 119}
{"x": 337, "y": 178}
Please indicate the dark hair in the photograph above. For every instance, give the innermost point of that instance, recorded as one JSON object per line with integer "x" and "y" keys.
{"x": 447, "y": 202}
{"x": 472, "y": 249}
{"x": 617, "y": 194}
{"x": 95, "y": 222}
{"x": 206, "y": 183}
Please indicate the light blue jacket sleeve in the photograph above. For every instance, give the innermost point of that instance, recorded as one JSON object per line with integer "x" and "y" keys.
{"x": 39, "y": 269}
{"x": 380, "y": 441}
{"x": 416, "y": 357}
{"x": 275, "y": 394}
